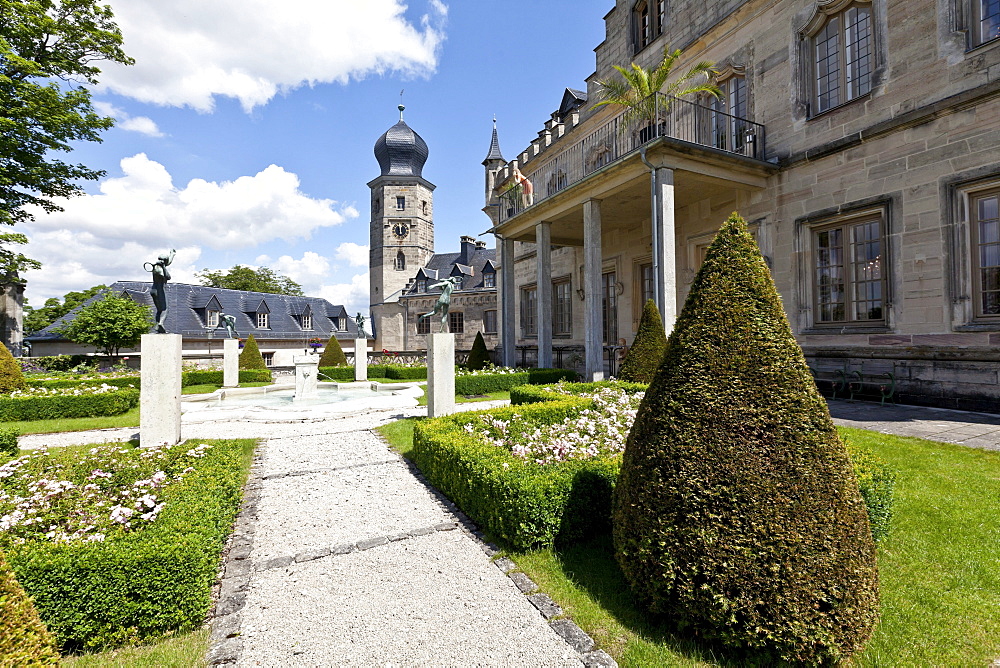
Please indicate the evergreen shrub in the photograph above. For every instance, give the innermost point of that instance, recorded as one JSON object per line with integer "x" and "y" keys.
{"x": 333, "y": 354}
{"x": 215, "y": 377}
{"x": 148, "y": 582}
{"x": 8, "y": 441}
{"x": 479, "y": 356}
{"x": 501, "y": 382}
{"x": 61, "y": 383}
{"x": 404, "y": 372}
{"x": 644, "y": 357}
{"x": 737, "y": 513}
{"x": 250, "y": 357}
{"x": 11, "y": 377}
{"x": 24, "y": 640}
{"x": 13, "y": 409}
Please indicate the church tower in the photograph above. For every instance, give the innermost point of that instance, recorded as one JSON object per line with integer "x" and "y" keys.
{"x": 401, "y": 228}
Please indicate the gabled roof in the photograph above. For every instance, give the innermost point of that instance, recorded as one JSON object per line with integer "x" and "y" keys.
{"x": 572, "y": 99}
{"x": 186, "y": 304}
{"x": 448, "y": 264}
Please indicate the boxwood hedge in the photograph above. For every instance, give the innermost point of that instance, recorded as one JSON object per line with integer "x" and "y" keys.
{"x": 50, "y": 408}
{"x": 62, "y": 383}
{"x": 214, "y": 377}
{"x": 500, "y": 382}
{"x": 24, "y": 640}
{"x": 146, "y": 583}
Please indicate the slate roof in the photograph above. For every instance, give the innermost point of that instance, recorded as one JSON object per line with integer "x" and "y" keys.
{"x": 187, "y": 307}
{"x": 494, "y": 153}
{"x": 453, "y": 264}
{"x": 400, "y": 151}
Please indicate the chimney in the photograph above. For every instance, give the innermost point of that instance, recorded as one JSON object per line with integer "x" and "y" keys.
{"x": 468, "y": 248}
{"x": 480, "y": 245}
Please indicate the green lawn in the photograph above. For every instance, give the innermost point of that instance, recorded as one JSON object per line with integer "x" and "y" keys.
{"x": 939, "y": 568}
{"x": 462, "y": 399}
{"x": 129, "y": 419}
{"x": 185, "y": 651}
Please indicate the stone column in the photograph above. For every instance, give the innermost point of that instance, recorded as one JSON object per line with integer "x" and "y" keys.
{"x": 440, "y": 374}
{"x": 361, "y": 359}
{"x": 160, "y": 390}
{"x": 593, "y": 330}
{"x": 508, "y": 338}
{"x": 543, "y": 256}
{"x": 306, "y": 376}
{"x": 12, "y": 316}
{"x": 666, "y": 246}
{"x": 230, "y": 363}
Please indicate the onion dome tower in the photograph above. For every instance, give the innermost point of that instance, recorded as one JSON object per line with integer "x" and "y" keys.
{"x": 401, "y": 228}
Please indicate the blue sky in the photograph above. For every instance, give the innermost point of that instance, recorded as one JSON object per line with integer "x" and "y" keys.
{"x": 245, "y": 130}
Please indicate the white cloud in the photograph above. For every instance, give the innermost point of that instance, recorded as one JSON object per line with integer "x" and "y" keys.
{"x": 188, "y": 51}
{"x": 141, "y": 124}
{"x": 354, "y": 254}
{"x": 311, "y": 271}
{"x": 353, "y": 295}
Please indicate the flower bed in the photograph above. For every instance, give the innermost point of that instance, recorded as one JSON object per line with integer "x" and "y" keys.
{"x": 117, "y": 544}
{"x": 40, "y": 403}
{"x": 542, "y": 470}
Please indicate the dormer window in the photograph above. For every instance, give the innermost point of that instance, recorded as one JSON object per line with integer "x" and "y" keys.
{"x": 307, "y": 321}
{"x": 421, "y": 285}
{"x": 212, "y": 319}
{"x": 263, "y": 321}
{"x": 489, "y": 280}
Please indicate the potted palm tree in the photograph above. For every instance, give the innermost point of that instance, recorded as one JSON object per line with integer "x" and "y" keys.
{"x": 639, "y": 92}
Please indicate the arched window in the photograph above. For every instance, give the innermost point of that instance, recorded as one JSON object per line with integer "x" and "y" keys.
{"x": 648, "y": 20}
{"x": 841, "y": 54}
{"x": 400, "y": 261}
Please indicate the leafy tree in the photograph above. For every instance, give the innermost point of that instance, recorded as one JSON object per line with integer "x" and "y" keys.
{"x": 250, "y": 357}
{"x": 11, "y": 377}
{"x": 333, "y": 354}
{"x": 109, "y": 324}
{"x": 11, "y": 262}
{"x": 37, "y": 319}
{"x": 241, "y": 277}
{"x": 479, "y": 356}
{"x": 636, "y": 90}
{"x": 644, "y": 357}
{"x": 737, "y": 513}
{"x": 47, "y": 53}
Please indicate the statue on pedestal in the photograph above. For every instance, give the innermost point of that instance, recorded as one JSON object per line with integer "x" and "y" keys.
{"x": 360, "y": 322}
{"x": 229, "y": 322}
{"x": 447, "y": 286}
{"x": 159, "y": 290}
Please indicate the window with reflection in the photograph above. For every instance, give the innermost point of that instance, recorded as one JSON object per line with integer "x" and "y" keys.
{"x": 986, "y": 252}
{"x": 849, "y": 272}
{"x": 843, "y": 58}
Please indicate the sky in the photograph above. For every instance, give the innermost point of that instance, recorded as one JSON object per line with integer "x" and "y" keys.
{"x": 245, "y": 130}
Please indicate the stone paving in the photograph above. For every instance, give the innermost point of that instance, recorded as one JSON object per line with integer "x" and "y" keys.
{"x": 975, "y": 430}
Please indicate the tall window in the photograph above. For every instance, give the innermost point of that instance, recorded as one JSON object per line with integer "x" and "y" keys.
{"x": 307, "y": 321}
{"x": 268, "y": 359}
{"x": 648, "y": 18}
{"x": 647, "y": 286}
{"x": 985, "y": 21}
{"x": 529, "y": 312}
{"x": 400, "y": 203}
{"x": 609, "y": 306}
{"x": 490, "y": 322}
{"x": 338, "y": 324}
{"x": 456, "y": 322}
{"x": 729, "y": 114}
{"x": 423, "y": 325}
{"x": 212, "y": 319}
{"x": 489, "y": 280}
{"x": 263, "y": 321}
{"x": 850, "y": 278}
{"x": 562, "y": 308}
{"x": 400, "y": 261}
{"x": 421, "y": 285}
{"x": 986, "y": 252}
{"x": 843, "y": 58}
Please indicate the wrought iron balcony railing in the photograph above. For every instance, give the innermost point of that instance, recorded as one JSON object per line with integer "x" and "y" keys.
{"x": 662, "y": 116}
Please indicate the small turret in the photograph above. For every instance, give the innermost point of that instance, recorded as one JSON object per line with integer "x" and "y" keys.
{"x": 493, "y": 163}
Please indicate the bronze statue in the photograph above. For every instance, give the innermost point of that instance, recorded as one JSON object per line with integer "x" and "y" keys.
{"x": 229, "y": 322}
{"x": 447, "y": 286}
{"x": 360, "y": 322}
{"x": 159, "y": 290}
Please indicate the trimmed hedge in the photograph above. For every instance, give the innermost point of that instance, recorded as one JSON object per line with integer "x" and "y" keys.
{"x": 60, "y": 383}
{"x": 479, "y": 356}
{"x": 8, "y": 443}
{"x": 333, "y": 354}
{"x": 250, "y": 357}
{"x": 215, "y": 376}
{"x": 521, "y": 502}
{"x": 644, "y": 357}
{"x": 11, "y": 377}
{"x": 500, "y": 382}
{"x": 24, "y": 640}
{"x": 117, "y": 402}
{"x": 473, "y": 474}
{"x": 142, "y": 584}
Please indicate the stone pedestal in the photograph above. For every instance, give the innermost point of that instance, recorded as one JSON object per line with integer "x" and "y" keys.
{"x": 230, "y": 363}
{"x": 440, "y": 374}
{"x": 360, "y": 359}
{"x": 306, "y": 376}
{"x": 160, "y": 388}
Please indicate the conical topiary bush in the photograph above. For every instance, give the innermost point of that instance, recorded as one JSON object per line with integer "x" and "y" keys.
{"x": 737, "y": 512}
{"x": 250, "y": 357}
{"x": 479, "y": 356}
{"x": 333, "y": 354}
{"x": 11, "y": 377}
{"x": 24, "y": 640}
{"x": 644, "y": 357}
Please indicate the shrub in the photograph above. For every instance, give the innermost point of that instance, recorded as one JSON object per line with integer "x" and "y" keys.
{"x": 501, "y": 382}
{"x": 143, "y": 583}
{"x": 479, "y": 356}
{"x": 737, "y": 512}
{"x": 405, "y": 372}
{"x": 11, "y": 377}
{"x": 343, "y": 374}
{"x": 215, "y": 377}
{"x": 24, "y": 640}
{"x": 250, "y": 357}
{"x": 58, "y": 383}
{"x": 64, "y": 362}
{"x": 644, "y": 357}
{"x": 333, "y": 354}
{"x": 8, "y": 440}
{"x": 68, "y": 406}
